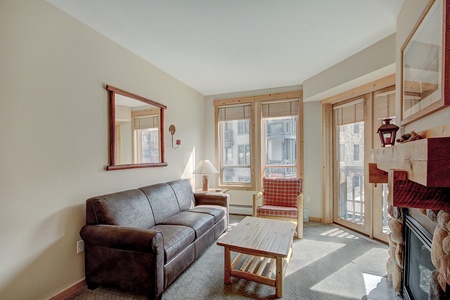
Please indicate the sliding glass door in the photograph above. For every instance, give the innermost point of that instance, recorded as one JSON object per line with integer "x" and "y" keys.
{"x": 357, "y": 204}
{"x": 383, "y": 107}
{"x": 350, "y": 205}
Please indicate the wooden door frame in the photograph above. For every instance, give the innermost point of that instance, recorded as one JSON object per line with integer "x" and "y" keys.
{"x": 327, "y": 141}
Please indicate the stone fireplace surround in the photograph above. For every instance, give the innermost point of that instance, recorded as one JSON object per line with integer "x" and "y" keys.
{"x": 440, "y": 250}
{"x": 418, "y": 178}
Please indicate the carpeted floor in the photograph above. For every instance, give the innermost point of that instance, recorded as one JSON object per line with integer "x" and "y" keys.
{"x": 330, "y": 262}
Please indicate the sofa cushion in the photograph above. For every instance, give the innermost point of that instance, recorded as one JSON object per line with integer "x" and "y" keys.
{"x": 176, "y": 239}
{"x": 183, "y": 191}
{"x": 127, "y": 208}
{"x": 197, "y": 221}
{"x": 218, "y": 212}
{"x": 162, "y": 201}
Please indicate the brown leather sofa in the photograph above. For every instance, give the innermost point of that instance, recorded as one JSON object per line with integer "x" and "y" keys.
{"x": 141, "y": 240}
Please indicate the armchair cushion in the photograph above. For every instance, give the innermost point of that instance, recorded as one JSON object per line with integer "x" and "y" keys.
{"x": 281, "y": 191}
{"x": 278, "y": 211}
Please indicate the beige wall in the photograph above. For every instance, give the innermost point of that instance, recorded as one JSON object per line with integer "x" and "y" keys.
{"x": 54, "y": 133}
{"x": 367, "y": 65}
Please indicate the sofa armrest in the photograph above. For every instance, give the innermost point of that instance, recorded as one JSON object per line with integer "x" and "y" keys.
{"x": 124, "y": 238}
{"x": 212, "y": 199}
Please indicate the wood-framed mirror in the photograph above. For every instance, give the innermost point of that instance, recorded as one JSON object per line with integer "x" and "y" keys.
{"x": 425, "y": 70}
{"x": 136, "y": 131}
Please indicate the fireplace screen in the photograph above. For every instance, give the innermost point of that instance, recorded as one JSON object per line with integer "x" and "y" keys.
{"x": 418, "y": 266}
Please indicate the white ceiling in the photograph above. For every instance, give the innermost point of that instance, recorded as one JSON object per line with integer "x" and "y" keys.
{"x": 239, "y": 45}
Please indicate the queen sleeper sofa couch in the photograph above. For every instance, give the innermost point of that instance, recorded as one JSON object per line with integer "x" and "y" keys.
{"x": 141, "y": 240}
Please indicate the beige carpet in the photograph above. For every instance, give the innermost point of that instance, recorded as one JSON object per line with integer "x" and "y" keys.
{"x": 330, "y": 262}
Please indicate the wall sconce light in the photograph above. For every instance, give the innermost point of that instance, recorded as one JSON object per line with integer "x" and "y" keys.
{"x": 387, "y": 132}
{"x": 172, "y": 130}
{"x": 204, "y": 168}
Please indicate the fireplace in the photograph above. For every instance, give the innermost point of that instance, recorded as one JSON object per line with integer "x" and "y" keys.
{"x": 418, "y": 267}
{"x": 417, "y": 174}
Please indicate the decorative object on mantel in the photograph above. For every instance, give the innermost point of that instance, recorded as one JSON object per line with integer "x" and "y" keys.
{"x": 387, "y": 132}
{"x": 205, "y": 167}
{"x": 409, "y": 137}
{"x": 172, "y": 130}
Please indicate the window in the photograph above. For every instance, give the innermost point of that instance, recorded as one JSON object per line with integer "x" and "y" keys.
{"x": 229, "y": 153}
{"x": 145, "y": 137}
{"x": 355, "y": 152}
{"x": 244, "y": 155}
{"x": 278, "y": 138}
{"x": 234, "y": 137}
{"x": 243, "y": 127}
{"x": 276, "y": 120}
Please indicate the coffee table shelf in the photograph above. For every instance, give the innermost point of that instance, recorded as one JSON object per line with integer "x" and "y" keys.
{"x": 258, "y": 250}
{"x": 257, "y": 268}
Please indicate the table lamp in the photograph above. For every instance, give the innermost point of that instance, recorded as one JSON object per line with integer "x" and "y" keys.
{"x": 205, "y": 167}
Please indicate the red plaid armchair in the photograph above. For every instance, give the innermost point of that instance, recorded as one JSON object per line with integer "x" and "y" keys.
{"x": 282, "y": 198}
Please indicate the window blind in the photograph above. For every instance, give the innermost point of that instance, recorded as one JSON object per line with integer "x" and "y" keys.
{"x": 384, "y": 105}
{"x": 280, "y": 109}
{"x": 234, "y": 112}
{"x": 350, "y": 112}
{"x": 146, "y": 122}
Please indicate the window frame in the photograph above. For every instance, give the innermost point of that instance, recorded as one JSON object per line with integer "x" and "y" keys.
{"x": 328, "y": 179}
{"x": 264, "y": 134}
{"x": 255, "y": 130}
{"x": 219, "y": 147}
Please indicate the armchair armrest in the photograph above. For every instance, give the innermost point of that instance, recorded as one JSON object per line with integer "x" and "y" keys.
{"x": 124, "y": 238}
{"x": 300, "y": 215}
{"x": 256, "y": 197}
{"x": 212, "y": 199}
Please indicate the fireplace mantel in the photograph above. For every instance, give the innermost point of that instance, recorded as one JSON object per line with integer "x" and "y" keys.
{"x": 426, "y": 161}
{"x": 417, "y": 172}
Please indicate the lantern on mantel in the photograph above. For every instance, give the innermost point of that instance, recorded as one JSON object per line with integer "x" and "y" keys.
{"x": 387, "y": 132}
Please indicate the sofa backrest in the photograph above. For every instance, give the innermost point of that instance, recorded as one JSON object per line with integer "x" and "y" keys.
{"x": 163, "y": 201}
{"x": 144, "y": 207}
{"x": 128, "y": 208}
{"x": 183, "y": 191}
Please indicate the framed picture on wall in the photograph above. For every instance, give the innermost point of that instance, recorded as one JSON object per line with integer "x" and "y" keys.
{"x": 426, "y": 64}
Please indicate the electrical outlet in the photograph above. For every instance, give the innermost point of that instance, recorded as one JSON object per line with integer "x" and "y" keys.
{"x": 80, "y": 246}
{"x": 308, "y": 199}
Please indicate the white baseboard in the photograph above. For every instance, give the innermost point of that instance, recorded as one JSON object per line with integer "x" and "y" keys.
{"x": 241, "y": 209}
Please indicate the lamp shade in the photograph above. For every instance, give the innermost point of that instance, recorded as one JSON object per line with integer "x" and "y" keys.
{"x": 205, "y": 167}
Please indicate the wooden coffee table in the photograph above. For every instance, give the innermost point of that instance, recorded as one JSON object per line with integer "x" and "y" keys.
{"x": 262, "y": 246}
